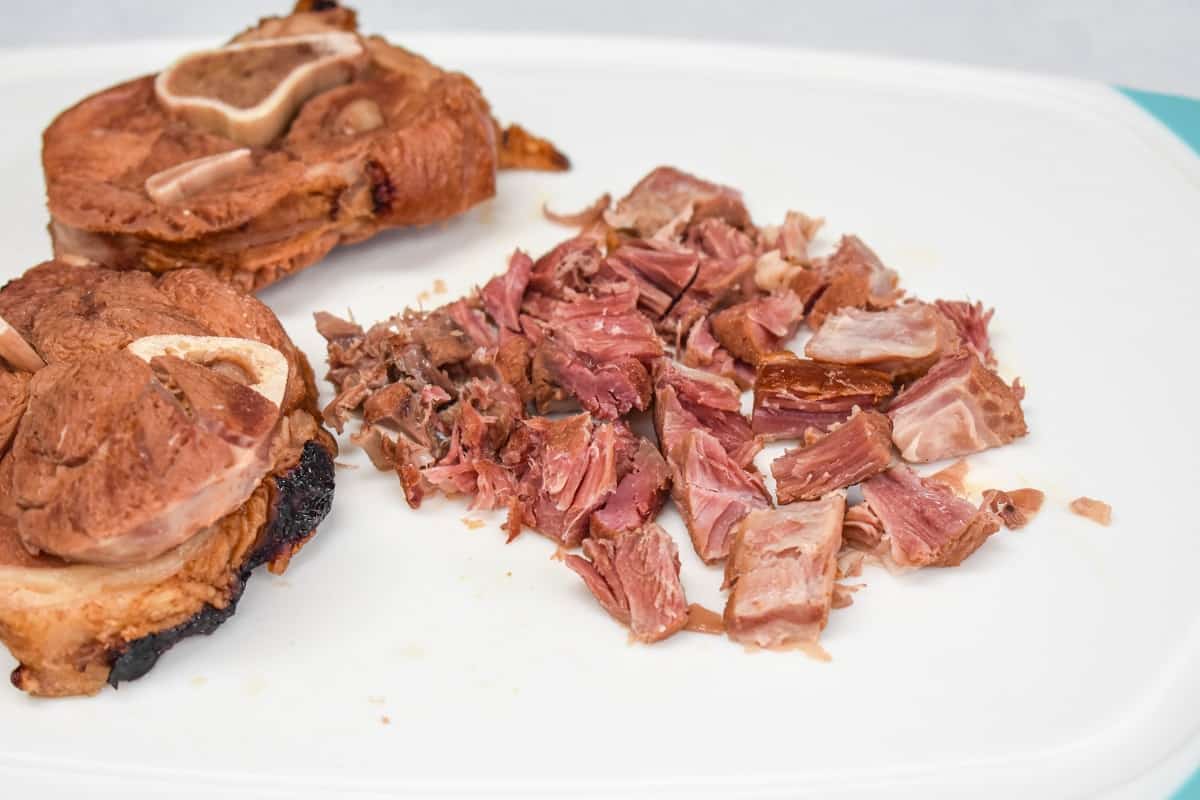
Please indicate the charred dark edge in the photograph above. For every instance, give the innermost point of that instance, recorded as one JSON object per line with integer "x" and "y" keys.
{"x": 304, "y": 497}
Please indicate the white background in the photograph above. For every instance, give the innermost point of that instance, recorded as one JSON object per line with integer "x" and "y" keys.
{"x": 1151, "y": 44}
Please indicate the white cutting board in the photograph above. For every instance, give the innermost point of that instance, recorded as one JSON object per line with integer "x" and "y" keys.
{"x": 1061, "y": 660}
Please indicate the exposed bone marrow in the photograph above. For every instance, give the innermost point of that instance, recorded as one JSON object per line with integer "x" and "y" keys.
{"x": 266, "y": 367}
{"x": 250, "y": 91}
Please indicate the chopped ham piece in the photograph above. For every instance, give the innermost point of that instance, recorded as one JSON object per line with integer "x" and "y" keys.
{"x": 703, "y": 351}
{"x": 668, "y": 195}
{"x": 757, "y": 328}
{"x": 636, "y": 579}
{"x": 852, "y": 452}
{"x": 719, "y": 282}
{"x": 660, "y": 273}
{"x": 568, "y": 267}
{"x": 1015, "y": 508}
{"x": 688, "y": 399}
{"x": 954, "y": 476}
{"x": 793, "y": 395}
{"x": 566, "y": 469}
{"x": 503, "y": 294}
{"x": 638, "y": 497}
{"x": 704, "y": 620}
{"x": 903, "y": 341}
{"x": 855, "y": 277}
{"x": 861, "y": 529}
{"x": 971, "y": 320}
{"x": 958, "y": 407}
{"x": 773, "y": 272}
{"x": 797, "y": 231}
{"x": 781, "y": 570}
{"x": 716, "y": 238}
{"x": 713, "y": 492}
{"x": 583, "y": 218}
{"x": 1095, "y": 510}
{"x": 924, "y": 523}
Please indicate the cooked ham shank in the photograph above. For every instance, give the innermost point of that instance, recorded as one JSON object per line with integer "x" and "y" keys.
{"x": 923, "y": 522}
{"x": 852, "y": 452}
{"x": 150, "y": 467}
{"x": 957, "y": 408}
{"x": 794, "y": 395}
{"x": 781, "y": 571}
{"x": 713, "y": 492}
{"x": 635, "y": 576}
{"x": 904, "y": 341}
{"x": 144, "y": 176}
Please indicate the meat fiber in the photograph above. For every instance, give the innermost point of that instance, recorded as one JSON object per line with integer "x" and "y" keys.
{"x": 688, "y": 399}
{"x": 756, "y": 328}
{"x": 661, "y": 273}
{"x": 639, "y": 495}
{"x": 667, "y": 200}
{"x": 793, "y": 395}
{"x": 971, "y": 320}
{"x": 606, "y": 389}
{"x": 713, "y": 492}
{"x": 924, "y": 523}
{"x": 503, "y": 294}
{"x": 904, "y": 341}
{"x": 855, "y": 450}
{"x": 635, "y": 576}
{"x": 957, "y": 408}
{"x": 781, "y": 570}
{"x": 702, "y": 351}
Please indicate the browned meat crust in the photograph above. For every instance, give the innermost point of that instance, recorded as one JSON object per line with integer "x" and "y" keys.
{"x": 434, "y": 155}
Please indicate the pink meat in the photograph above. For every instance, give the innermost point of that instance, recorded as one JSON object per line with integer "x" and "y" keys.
{"x": 716, "y": 238}
{"x": 793, "y": 395}
{"x": 703, "y": 351}
{"x": 609, "y": 390}
{"x": 782, "y": 570}
{"x": 713, "y": 492}
{"x": 903, "y": 341}
{"x": 971, "y": 320}
{"x": 686, "y": 399}
{"x": 636, "y": 579}
{"x": 756, "y": 328}
{"x": 958, "y": 407}
{"x": 668, "y": 195}
{"x": 502, "y": 295}
{"x": 856, "y": 450}
{"x": 661, "y": 273}
{"x": 797, "y": 231}
{"x": 924, "y": 523}
{"x": 639, "y": 495}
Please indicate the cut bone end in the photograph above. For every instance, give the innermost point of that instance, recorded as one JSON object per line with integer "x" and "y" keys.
{"x": 266, "y": 366}
{"x": 17, "y": 352}
{"x": 186, "y": 180}
{"x": 209, "y": 90}
{"x": 359, "y": 116}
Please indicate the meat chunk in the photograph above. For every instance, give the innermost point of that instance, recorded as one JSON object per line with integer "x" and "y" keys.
{"x": 757, "y": 328}
{"x": 713, "y": 492}
{"x": 957, "y": 408}
{"x": 793, "y": 395}
{"x": 606, "y": 389}
{"x": 503, "y": 294}
{"x": 688, "y": 399}
{"x": 566, "y": 469}
{"x": 782, "y": 570}
{"x": 661, "y": 273}
{"x": 670, "y": 199}
{"x": 1096, "y": 510}
{"x": 856, "y": 450}
{"x": 703, "y": 351}
{"x": 903, "y": 341}
{"x": 719, "y": 282}
{"x": 923, "y": 522}
{"x": 639, "y": 495}
{"x": 852, "y": 277}
{"x": 971, "y": 320}
{"x": 1015, "y": 508}
{"x": 635, "y": 576}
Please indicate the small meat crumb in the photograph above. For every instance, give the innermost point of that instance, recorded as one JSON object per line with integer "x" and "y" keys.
{"x": 472, "y": 523}
{"x": 1096, "y": 510}
{"x": 385, "y": 719}
{"x": 439, "y": 286}
{"x": 954, "y": 476}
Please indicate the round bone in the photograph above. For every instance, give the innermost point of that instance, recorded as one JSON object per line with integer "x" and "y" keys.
{"x": 267, "y": 366}
{"x": 340, "y": 55}
{"x": 16, "y": 351}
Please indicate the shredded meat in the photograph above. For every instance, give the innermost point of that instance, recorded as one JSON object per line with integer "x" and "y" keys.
{"x": 971, "y": 320}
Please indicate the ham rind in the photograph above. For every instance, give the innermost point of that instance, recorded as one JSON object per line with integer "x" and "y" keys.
{"x": 669, "y": 198}
{"x": 924, "y": 523}
{"x": 971, "y": 320}
{"x": 957, "y": 408}
{"x": 903, "y": 341}
{"x": 713, "y": 492}
{"x": 502, "y": 295}
{"x": 639, "y": 495}
{"x": 686, "y": 399}
{"x": 794, "y": 395}
{"x": 854, "y": 451}
{"x": 567, "y": 470}
{"x": 782, "y": 570}
{"x": 757, "y": 328}
{"x": 636, "y": 579}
